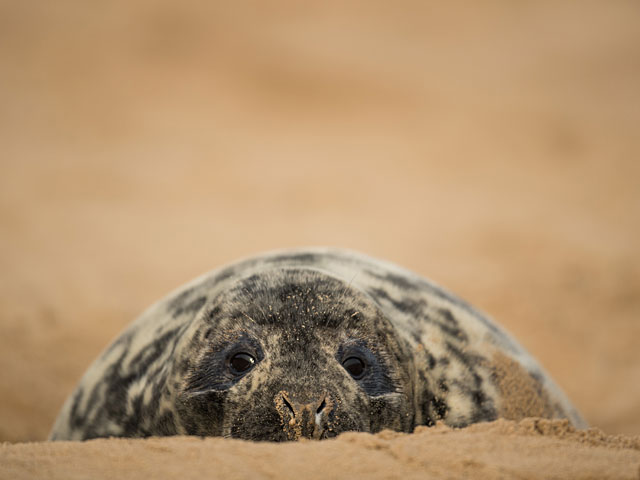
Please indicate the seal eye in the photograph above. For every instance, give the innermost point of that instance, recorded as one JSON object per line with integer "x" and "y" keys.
{"x": 241, "y": 363}
{"x": 355, "y": 367}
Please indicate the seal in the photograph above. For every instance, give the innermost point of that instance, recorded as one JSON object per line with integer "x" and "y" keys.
{"x": 307, "y": 343}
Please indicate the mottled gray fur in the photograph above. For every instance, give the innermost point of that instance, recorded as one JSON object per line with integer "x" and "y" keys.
{"x": 301, "y": 316}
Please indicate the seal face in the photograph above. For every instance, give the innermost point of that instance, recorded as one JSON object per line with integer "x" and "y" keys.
{"x": 307, "y": 343}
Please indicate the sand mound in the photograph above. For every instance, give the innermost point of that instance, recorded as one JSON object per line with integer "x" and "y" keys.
{"x": 530, "y": 449}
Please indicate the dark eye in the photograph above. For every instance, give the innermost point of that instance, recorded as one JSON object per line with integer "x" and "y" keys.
{"x": 241, "y": 362}
{"x": 355, "y": 366}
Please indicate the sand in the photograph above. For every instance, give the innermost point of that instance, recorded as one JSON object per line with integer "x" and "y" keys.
{"x": 492, "y": 147}
{"x": 503, "y": 449}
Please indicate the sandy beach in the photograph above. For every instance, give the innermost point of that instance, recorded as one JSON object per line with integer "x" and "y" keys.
{"x": 492, "y": 148}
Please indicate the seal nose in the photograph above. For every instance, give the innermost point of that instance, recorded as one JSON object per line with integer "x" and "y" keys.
{"x": 300, "y": 419}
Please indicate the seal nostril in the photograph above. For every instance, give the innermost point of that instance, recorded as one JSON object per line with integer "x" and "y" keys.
{"x": 322, "y": 405}
{"x": 321, "y": 417}
{"x": 289, "y": 406}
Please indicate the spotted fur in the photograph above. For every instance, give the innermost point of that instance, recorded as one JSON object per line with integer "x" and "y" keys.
{"x": 429, "y": 356}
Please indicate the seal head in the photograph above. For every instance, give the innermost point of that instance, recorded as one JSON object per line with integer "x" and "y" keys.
{"x": 291, "y": 353}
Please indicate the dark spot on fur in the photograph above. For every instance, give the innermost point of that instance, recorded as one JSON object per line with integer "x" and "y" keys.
{"x": 191, "y": 307}
{"x": 152, "y": 351}
{"x": 432, "y": 408}
{"x": 209, "y": 332}
{"x": 442, "y": 384}
{"x": 399, "y": 281}
{"x": 123, "y": 341}
{"x": 177, "y": 301}
{"x": 213, "y": 314}
{"x": 308, "y": 258}
{"x": 75, "y": 419}
{"x": 405, "y": 305}
{"x": 467, "y": 359}
{"x": 431, "y": 360}
{"x": 223, "y": 275}
{"x": 440, "y": 408}
{"x": 444, "y": 361}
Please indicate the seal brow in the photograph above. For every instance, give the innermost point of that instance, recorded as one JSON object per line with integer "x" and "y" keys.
{"x": 256, "y": 304}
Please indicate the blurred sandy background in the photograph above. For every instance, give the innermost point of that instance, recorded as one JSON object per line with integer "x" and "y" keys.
{"x": 491, "y": 146}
